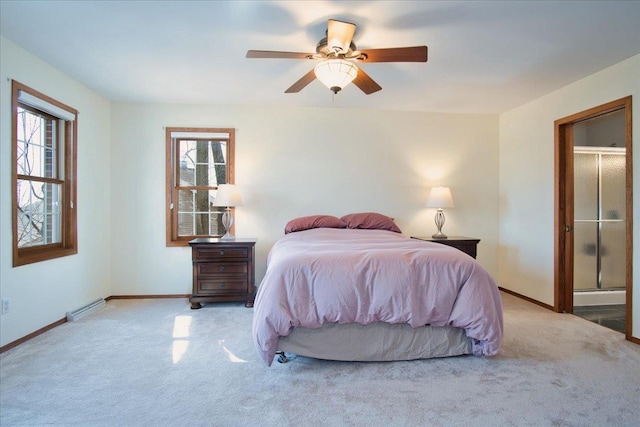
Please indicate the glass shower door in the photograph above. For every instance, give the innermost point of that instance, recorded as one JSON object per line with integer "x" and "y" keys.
{"x": 599, "y": 211}
{"x": 612, "y": 225}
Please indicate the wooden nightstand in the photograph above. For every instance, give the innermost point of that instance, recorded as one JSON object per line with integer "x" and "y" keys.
{"x": 223, "y": 271}
{"x": 468, "y": 245}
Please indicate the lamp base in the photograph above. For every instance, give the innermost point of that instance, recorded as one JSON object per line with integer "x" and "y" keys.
{"x": 439, "y": 220}
{"x": 227, "y": 222}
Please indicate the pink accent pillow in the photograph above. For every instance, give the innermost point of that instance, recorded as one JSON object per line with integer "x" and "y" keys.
{"x": 370, "y": 221}
{"x": 313, "y": 221}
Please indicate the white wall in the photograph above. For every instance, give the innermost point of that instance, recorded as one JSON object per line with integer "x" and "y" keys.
{"x": 526, "y": 173}
{"x": 41, "y": 293}
{"x": 300, "y": 161}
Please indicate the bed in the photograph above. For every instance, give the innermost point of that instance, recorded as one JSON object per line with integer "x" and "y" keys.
{"x": 356, "y": 289}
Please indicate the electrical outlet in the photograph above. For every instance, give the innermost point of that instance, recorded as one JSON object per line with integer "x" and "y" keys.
{"x": 5, "y": 305}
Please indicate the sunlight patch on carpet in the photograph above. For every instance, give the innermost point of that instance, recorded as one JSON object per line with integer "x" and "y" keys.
{"x": 181, "y": 329}
{"x": 232, "y": 357}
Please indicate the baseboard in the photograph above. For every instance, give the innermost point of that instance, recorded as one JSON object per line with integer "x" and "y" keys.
{"x": 531, "y": 300}
{"x": 31, "y": 335}
{"x": 40, "y": 331}
{"x": 147, "y": 296}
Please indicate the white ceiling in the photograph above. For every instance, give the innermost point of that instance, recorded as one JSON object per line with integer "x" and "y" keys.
{"x": 484, "y": 56}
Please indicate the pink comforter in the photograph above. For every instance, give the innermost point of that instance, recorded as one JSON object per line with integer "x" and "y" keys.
{"x": 342, "y": 275}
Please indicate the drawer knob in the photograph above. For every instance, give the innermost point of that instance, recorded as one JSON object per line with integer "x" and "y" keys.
{"x": 222, "y": 285}
{"x": 222, "y": 252}
{"x": 222, "y": 268}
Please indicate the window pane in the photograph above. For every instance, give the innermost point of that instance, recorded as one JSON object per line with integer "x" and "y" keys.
{"x": 39, "y": 219}
{"x": 36, "y": 145}
{"x": 196, "y": 213}
{"x": 200, "y": 224}
{"x": 202, "y": 163}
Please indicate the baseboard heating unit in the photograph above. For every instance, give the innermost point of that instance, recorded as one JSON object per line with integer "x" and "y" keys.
{"x": 83, "y": 311}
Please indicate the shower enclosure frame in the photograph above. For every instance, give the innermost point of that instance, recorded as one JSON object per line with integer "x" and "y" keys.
{"x": 599, "y": 151}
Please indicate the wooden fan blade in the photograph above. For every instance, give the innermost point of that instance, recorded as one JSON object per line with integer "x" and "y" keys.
{"x": 339, "y": 35}
{"x": 366, "y": 83}
{"x": 302, "y": 83}
{"x": 398, "y": 54}
{"x": 271, "y": 54}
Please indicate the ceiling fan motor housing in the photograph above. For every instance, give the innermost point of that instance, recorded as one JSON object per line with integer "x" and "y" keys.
{"x": 323, "y": 49}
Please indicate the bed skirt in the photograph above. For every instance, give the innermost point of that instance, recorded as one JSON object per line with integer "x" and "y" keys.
{"x": 376, "y": 342}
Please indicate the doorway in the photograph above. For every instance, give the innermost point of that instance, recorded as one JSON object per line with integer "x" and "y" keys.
{"x": 593, "y": 212}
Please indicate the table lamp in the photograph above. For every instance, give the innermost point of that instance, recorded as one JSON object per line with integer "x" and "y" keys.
{"x": 227, "y": 196}
{"x": 439, "y": 198}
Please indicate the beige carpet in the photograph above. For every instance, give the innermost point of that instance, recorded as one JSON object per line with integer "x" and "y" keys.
{"x": 158, "y": 363}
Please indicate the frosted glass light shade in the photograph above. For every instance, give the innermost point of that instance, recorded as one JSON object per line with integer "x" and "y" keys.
{"x": 227, "y": 195}
{"x": 336, "y": 73}
{"x": 440, "y": 197}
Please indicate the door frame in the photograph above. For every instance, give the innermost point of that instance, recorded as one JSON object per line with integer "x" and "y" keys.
{"x": 564, "y": 209}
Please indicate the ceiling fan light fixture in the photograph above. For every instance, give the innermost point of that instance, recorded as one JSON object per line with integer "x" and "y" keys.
{"x": 336, "y": 73}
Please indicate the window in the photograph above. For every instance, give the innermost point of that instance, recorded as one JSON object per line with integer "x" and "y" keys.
{"x": 198, "y": 160}
{"x": 44, "y": 177}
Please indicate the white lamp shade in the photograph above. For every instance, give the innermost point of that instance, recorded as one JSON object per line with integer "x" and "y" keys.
{"x": 336, "y": 73}
{"x": 227, "y": 195}
{"x": 440, "y": 197}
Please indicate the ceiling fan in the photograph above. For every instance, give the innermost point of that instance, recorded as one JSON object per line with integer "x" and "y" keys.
{"x": 338, "y": 55}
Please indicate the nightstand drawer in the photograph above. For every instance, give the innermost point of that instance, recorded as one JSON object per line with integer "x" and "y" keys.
{"x": 220, "y": 253}
{"x": 221, "y": 285}
{"x": 216, "y": 269}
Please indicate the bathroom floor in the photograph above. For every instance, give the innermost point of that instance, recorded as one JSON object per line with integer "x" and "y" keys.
{"x": 611, "y": 316}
